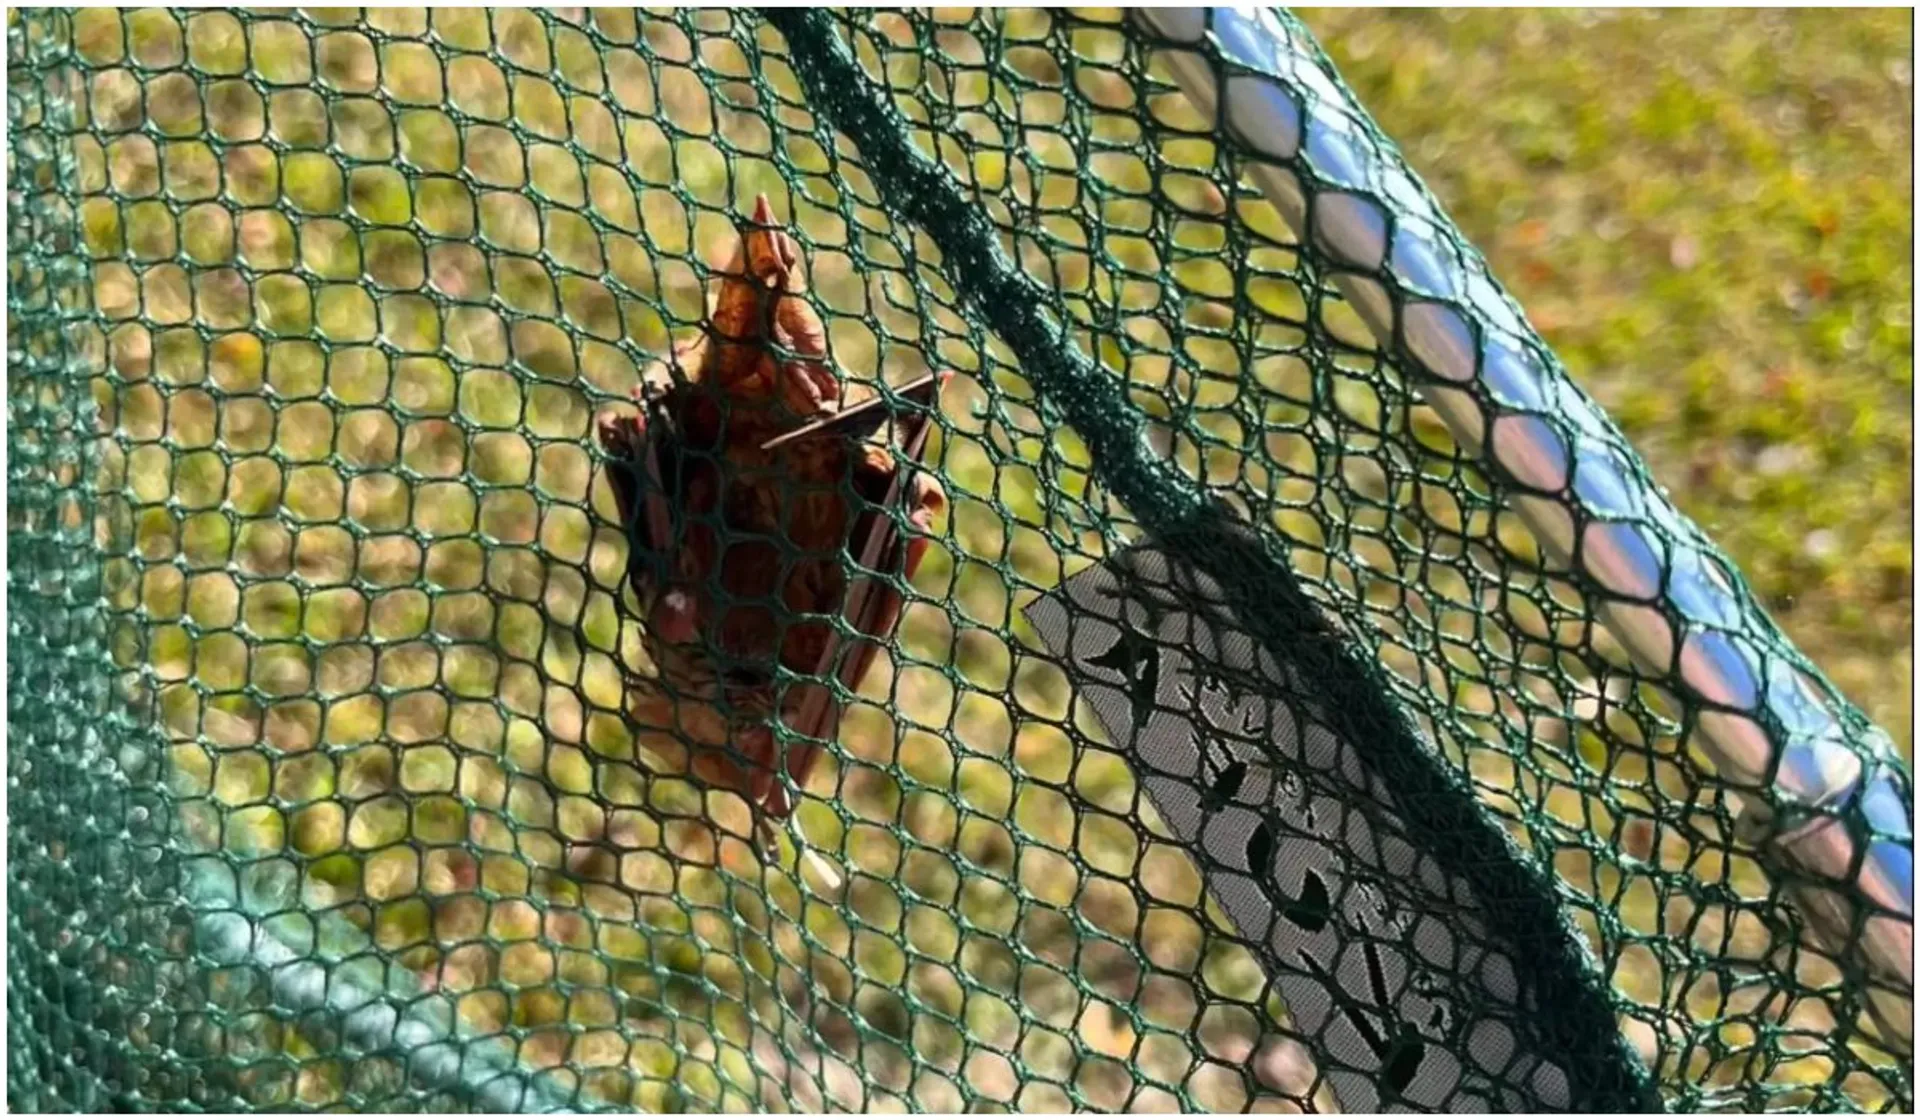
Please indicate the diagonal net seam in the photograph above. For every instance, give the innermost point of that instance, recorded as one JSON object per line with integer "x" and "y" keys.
{"x": 1787, "y": 940}
{"x": 1839, "y": 841}
{"x": 1821, "y": 793}
{"x": 359, "y": 284}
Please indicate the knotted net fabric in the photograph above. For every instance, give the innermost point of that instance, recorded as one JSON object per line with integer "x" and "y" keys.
{"x": 321, "y": 790}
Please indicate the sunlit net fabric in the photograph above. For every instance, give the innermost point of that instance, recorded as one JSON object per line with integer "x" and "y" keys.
{"x": 320, "y": 787}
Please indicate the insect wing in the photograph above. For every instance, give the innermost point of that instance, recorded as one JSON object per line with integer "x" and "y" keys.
{"x": 639, "y": 486}
{"x": 660, "y": 432}
{"x": 872, "y": 608}
{"x": 863, "y": 419}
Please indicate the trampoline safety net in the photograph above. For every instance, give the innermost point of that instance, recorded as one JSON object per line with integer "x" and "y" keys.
{"x": 1306, "y": 700}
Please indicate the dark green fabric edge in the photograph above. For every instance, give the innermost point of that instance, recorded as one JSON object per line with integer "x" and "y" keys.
{"x": 1576, "y": 1023}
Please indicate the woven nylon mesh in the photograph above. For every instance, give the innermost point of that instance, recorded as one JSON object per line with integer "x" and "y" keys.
{"x": 320, "y": 787}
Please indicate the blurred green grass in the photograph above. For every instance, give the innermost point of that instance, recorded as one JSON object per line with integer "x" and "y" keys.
{"x": 354, "y": 336}
{"x": 1709, "y": 216}
{"x": 358, "y": 557}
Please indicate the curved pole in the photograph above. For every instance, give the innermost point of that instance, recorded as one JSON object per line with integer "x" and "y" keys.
{"x": 1823, "y": 792}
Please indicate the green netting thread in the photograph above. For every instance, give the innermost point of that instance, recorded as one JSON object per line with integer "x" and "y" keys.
{"x": 1607, "y": 1075}
{"x": 57, "y": 682}
{"x": 321, "y": 794}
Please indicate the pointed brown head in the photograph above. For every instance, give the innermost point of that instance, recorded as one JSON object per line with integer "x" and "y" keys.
{"x": 761, "y": 300}
{"x": 772, "y": 256}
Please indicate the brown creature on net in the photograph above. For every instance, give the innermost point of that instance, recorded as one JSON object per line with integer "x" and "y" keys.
{"x": 745, "y": 480}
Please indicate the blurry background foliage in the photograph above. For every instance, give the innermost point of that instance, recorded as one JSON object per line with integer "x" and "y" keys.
{"x": 1709, "y": 216}
{"x": 362, "y": 281}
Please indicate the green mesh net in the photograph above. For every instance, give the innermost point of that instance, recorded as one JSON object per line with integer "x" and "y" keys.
{"x": 1440, "y": 764}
